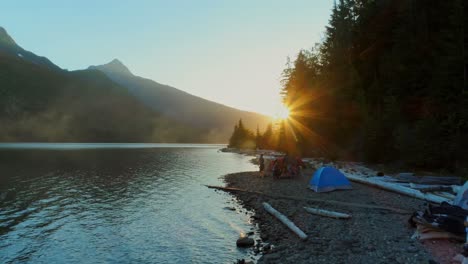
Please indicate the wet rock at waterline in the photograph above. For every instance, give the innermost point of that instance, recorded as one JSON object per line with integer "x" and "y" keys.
{"x": 245, "y": 242}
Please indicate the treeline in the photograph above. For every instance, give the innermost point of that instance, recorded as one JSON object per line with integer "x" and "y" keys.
{"x": 272, "y": 138}
{"x": 388, "y": 83}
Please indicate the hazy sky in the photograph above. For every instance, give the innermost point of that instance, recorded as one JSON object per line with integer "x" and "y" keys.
{"x": 228, "y": 51}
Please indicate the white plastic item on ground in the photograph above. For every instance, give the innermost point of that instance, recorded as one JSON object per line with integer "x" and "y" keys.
{"x": 285, "y": 221}
{"x": 327, "y": 213}
{"x": 462, "y": 197}
{"x": 398, "y": 189}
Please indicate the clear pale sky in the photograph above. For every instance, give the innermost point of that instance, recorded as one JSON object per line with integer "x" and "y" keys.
{"x": 228, "y": 51}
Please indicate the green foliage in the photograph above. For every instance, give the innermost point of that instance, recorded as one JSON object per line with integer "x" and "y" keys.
{"x": 272, "y": 138}
{"x": 242, "y": 138}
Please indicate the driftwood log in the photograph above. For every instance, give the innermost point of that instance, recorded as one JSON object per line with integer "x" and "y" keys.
{"x": 433, "y": 188}
{"x": 327, "y": 213}
{"x": 285, "y": 221}
{"x": 398, "y": 189}
{"x": 429, "y": 180}
{"x": 446, "y": 195}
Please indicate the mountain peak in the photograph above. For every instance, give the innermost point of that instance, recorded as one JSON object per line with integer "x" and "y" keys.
{"x": 116, "y": 62}
{"x": 115, "y": 66}
{"x": 5, "y": 38}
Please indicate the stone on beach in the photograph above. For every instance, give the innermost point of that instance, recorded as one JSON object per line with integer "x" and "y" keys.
{"x": 245, "y": 242}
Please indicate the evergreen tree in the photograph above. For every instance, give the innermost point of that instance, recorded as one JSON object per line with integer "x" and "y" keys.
{"x": 241, "y": 137}
{"x": 388, "y": 82}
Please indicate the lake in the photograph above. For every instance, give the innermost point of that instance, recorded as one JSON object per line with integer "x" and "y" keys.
{"x": 118, "y": 203}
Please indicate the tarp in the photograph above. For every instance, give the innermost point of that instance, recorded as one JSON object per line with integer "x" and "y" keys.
{"x": 327, "y": 179}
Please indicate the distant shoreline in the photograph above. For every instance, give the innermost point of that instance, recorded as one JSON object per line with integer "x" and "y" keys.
{"x": 68, "y": 145}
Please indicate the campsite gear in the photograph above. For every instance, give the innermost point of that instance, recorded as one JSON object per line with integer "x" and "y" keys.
{"x": 444, "y": 221}
{"x": 277, "y": 168}
{"x": 269, "y": 164}
{"x": 281, "y": 168}
{"x": 328, "y": 179}
{"x": 462, "y": 197}
{"x": 287, "y": 167}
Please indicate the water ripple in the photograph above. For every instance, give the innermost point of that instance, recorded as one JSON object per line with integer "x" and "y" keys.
{"x": 118, "y": 206}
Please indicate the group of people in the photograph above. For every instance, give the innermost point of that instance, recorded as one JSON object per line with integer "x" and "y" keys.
{"x": 281, "y": 167}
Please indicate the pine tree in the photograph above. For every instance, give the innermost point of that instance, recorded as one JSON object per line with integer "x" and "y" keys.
{"x": 388, "y": 82}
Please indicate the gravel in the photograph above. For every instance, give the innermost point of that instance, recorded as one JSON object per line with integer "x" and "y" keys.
{"x": 370, "y": 236}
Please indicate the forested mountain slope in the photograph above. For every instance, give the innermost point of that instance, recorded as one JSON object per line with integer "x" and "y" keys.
{"x": 178, "y": 105}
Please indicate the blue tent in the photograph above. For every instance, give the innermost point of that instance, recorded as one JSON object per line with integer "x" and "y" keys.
{"x": 327, "y": 179}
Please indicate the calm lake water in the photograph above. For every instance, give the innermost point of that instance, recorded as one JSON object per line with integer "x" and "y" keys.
{"x": 118, "y": 203}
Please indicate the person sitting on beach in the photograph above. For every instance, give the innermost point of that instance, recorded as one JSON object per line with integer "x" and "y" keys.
{"x": 277, "y": 167}
{"x": 299, "y": 166}
{"x": 286, "y": 167}
{"x": 291, "y": 166}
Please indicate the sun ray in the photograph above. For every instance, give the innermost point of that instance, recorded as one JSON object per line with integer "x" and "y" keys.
{"x": 321, "y": 142}
{"x": 309, "y": 114}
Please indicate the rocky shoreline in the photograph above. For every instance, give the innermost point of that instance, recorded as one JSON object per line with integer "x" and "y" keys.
{"x": 370, "y": 236}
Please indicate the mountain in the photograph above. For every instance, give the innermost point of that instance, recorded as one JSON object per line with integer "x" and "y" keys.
{"x": 40, "y": 102}
{"x": 9, "y": 46}
{"x": 181, "y": 106}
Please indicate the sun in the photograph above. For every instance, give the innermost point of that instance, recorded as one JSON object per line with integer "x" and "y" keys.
{"x": 282, "y": 112}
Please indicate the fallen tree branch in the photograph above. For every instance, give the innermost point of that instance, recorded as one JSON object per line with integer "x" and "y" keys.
{"x": 327, "y": 213}
{"x": 285, "y": 221}
{"x": 230, "y": 189}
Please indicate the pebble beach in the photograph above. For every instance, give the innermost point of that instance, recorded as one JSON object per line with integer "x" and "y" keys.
{"x": 372, "y": 235}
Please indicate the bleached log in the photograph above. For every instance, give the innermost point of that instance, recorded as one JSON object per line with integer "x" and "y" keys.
{"x": 456, "y": 188}
{"x": 430, "y": 180}
{"x": 430, "y": 188}
{"x": 445, "y": 195}
{"x": 398, "y": 189}
{"x": 285, "y": 221}
{"x": 327, "y": 213}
